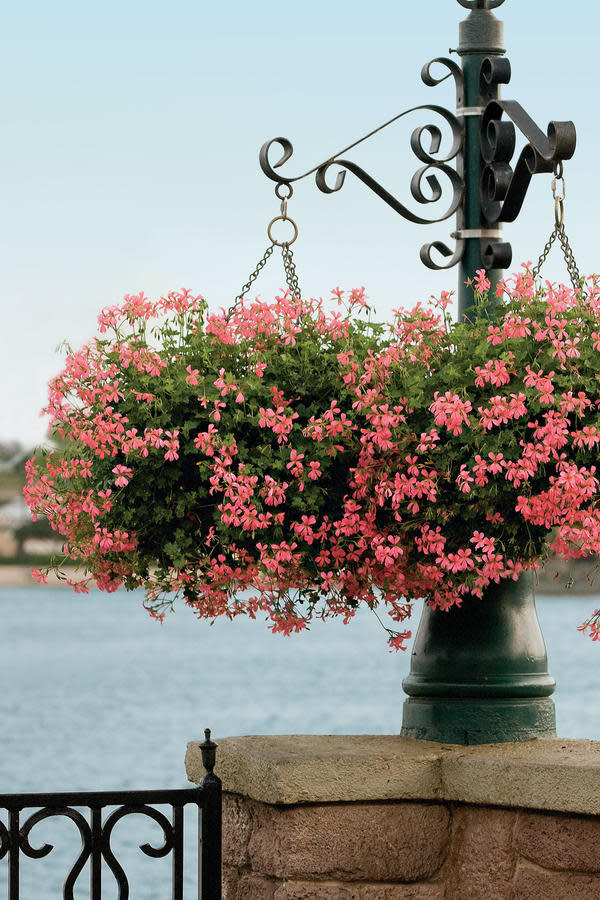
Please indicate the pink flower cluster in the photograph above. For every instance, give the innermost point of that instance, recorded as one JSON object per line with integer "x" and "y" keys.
{"x": 286, "y": 460}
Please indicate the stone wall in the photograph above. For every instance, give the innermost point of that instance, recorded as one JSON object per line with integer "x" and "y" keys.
{"x": 380, "y": 818}
{"x": 416, "y": 851}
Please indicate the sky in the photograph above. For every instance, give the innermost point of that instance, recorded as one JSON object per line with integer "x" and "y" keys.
{"x": 129, "y": 158}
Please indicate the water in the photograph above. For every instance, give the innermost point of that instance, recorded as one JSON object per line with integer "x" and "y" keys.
{"x": 96, "y": 695}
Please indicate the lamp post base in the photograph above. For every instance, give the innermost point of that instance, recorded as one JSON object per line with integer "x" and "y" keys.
{"x": 479, "y": 671}
{"x": 475, "y": 721}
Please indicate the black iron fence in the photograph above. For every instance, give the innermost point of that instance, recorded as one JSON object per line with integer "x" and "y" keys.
{"x": 95, "y": 815}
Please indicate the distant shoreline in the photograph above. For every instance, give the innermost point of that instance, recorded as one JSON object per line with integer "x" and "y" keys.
{"x": 555, "y": 575}
{"x": 20, "y": 576}
{"x": 552, "y": 579}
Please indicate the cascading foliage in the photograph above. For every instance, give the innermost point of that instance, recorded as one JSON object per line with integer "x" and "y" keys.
{"x": 296, "y": 459}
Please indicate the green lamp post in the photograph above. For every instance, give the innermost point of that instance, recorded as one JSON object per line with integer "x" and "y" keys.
{"x": 481, "y": 38}
{"x": 479, "y": 672}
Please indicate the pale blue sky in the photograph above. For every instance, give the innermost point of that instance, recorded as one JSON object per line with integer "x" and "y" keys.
{"x": 131, "y": 133}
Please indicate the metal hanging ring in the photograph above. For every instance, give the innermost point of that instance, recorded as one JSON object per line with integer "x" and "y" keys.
{"x": 559, "y": 212}
{"x": 556, "y": 183}
{"x": 563, "y": 188}
{"x": 558, "y": 168}
{"x": 283, "y": 184}
{"x": 282, "y": 219}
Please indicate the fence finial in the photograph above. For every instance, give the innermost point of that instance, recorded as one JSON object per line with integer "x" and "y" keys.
{"x": 209, "y": 752}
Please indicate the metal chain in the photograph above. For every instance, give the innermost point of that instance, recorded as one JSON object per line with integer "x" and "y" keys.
{"x": 286, "y": 251}
{"x": 572, "y": 268}
{"x": 544, "y": 254}
{"x": 290, "y": 271}
{"x": 560, "y": 233}
{"x": 259, "y": 267}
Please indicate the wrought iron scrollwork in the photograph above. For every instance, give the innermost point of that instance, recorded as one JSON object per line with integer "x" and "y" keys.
{"x": 4, "y": 840}
{"x": 96, "y": 838}
{"x": 85, "y": 833}
{"x": 96, "y": 834}
{"x": 502, "y": 188}
{"x": 156, "y": 852}
{"x": 425, "y": 185}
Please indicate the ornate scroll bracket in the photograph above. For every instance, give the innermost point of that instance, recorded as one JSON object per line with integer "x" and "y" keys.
{"x": 434, "y": 165}
{"x": 502, "y": 188}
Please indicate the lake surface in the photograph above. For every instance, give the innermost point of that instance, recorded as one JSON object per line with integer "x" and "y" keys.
{"x": 96, "y": 695}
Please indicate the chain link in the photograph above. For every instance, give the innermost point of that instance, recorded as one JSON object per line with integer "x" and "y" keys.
{"x": 560, "y": 233}
{"x": 259, "y": 267}
{"x": 290, "y": 271}
{"x": 291, "y": 276}
{"x": 572, "y": 267}
{"x": 544, "y": 254}
{"x": 289, "y": 265}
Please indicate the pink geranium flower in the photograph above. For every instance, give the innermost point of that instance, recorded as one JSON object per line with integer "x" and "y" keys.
{"x": 292, "y": 459}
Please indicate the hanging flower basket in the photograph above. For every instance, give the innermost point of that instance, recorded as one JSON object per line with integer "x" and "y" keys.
{"x": 297, "y": 462}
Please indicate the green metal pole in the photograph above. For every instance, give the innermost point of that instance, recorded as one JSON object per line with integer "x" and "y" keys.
{"x": 479, "y": 672}
{"x": 481, "y": 35}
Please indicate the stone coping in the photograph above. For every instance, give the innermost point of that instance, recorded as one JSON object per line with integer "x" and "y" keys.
{"x": 550, "y": 774}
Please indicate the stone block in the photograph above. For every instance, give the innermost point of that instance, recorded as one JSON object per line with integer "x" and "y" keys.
{"x": 548, "y": 774}
{"x": 561, "y": 842}
{"x": 403, "y": 892}
{"x": 334, "y": 890}
{"x": 229, "y": 882}
{"x": 350, "y": 841}
{"x": 237, "y": 827}
{"x": 481, "y": 858}
{"x": 313, "y": 768}
{"x": 532, "y": 882}
{"x": 246, "y": 886}
{"x": 312, "y": 890}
